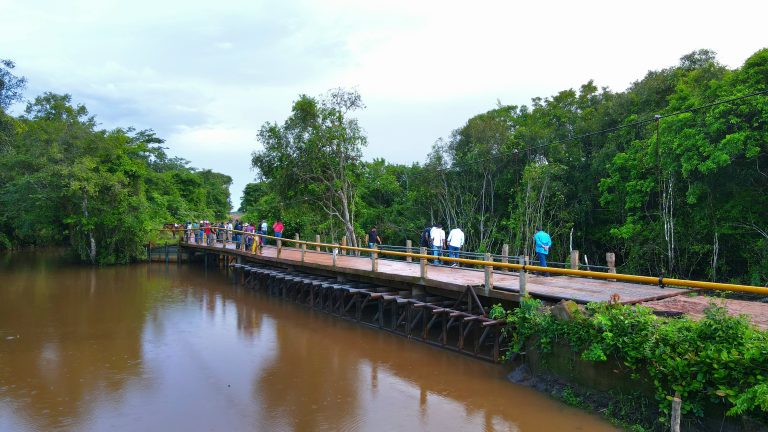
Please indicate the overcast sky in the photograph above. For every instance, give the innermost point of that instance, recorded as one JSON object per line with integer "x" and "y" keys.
{"x": 206, "y": 75}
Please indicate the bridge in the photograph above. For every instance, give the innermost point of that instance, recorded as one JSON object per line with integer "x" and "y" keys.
{"x": 399, "y": 289}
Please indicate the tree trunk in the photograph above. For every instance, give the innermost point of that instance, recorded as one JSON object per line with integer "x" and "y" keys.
{"x": 91, "y": 241}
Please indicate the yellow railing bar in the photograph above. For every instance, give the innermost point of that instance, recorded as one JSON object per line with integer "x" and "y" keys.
{"x": 649, "y": 280}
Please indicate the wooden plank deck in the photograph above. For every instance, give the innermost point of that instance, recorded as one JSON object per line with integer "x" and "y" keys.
{"x": 580, "y": 290}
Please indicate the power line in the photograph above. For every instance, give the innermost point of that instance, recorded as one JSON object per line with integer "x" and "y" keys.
{"x": 603, "y": 131}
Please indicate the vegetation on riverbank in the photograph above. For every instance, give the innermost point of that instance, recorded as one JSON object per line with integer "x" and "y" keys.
{"x": 719, "y": 361}
{"x": 684, "y": 195}
{"x": 102, "y": 193}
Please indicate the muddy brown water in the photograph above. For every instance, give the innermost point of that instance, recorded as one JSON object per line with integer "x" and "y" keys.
{"x": 176, "y": 348}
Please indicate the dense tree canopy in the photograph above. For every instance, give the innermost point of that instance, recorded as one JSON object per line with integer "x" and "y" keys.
{"x": 104, "y": 193}
{"x": 684, "y": 193}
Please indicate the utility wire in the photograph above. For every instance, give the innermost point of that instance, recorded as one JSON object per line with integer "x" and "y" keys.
{"x": 655, "y": 118}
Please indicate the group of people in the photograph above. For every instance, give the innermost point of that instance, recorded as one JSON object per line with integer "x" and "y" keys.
{"x": 434, "y": 238}
{"x": 210, "y": 232}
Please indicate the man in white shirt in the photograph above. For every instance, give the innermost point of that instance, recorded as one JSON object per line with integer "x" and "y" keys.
{"x": 455, "y": 242}
{"x": 437, "y": 235}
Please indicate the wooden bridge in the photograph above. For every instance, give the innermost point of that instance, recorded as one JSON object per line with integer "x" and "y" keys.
{"x": 400, "y": 290}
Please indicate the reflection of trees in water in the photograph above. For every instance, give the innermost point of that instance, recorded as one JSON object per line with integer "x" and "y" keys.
{"x": 80, "y": 332}
{"x": 312, "y": 383}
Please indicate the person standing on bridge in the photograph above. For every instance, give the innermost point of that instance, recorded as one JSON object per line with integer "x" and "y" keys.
{"x": 278, "y": 228}
{"x": 437, "y": 235}
{"x": 543, "y": 242}
{"x": 373, "y": 238}
{"x": 455, "y": 242}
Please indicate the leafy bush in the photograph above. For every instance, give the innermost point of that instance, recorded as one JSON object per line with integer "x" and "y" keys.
{"x": 720, "y": 359}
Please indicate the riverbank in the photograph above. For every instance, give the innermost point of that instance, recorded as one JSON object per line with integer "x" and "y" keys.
{"x": 626, "y": 363}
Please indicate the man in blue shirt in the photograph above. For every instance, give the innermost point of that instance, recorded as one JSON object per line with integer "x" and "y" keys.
{"x": 543, "y": 242}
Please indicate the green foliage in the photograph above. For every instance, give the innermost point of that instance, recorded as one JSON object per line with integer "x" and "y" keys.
{"x": 504, "y": 171}
{"x": 315, "y": 156}
{"x": 102, "y": 193}
{"x": 719, "y": 360}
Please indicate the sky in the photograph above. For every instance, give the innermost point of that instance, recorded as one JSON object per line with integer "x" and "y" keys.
{"x": 206, "y": 75}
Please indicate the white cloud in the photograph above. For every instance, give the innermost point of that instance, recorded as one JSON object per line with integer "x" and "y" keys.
{"x": 208, "y": 74}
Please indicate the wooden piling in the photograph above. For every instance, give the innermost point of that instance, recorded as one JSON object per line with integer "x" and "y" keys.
{"x": 574, "y": 259}
{"x": 676, "y": 405}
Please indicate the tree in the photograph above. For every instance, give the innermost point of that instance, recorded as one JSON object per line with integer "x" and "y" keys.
{"x": 316, "y": 155}
{"x": 11, "y": 86}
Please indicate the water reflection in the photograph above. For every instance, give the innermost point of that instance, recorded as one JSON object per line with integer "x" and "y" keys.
{"x": 177, "y": 348}
{"x": 64, "y": 343}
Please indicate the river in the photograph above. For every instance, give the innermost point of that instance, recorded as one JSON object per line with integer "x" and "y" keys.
{"x": 166, "y": 348}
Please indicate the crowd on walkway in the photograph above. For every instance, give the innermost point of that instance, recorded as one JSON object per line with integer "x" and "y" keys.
{"x": 209, "y": 233}
{"x": 433, "y": 237}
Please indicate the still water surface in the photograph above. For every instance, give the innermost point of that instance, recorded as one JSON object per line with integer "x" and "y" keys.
{"x": 156, "y": 348}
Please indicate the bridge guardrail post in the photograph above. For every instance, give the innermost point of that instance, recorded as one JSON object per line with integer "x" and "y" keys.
{"x": 335, "y": 252}
{"x": 523, "y": 276}
{"x": 279, "y": 247}
{"x": 344, "y": 244}
{"x": 574, "y": 259}
{"x": 408, "y": 249}
{"x": 303, "y": 251}
{"x": 610, "y": 258}
{"x": 423, "y": 263}
{"x": 317, "y": 240}
{"x": 488, "y": 274}
{"x": 375, "y": 259}
{"x": 505, "y": 255}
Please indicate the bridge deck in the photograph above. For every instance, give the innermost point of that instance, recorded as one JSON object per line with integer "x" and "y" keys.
{"x": 506, "y": 284}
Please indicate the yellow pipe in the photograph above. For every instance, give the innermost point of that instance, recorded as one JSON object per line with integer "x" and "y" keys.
{"x": 649, "y": 280}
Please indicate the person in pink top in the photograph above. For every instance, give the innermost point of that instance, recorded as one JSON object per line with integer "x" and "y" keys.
{"x": 278, "y": 227}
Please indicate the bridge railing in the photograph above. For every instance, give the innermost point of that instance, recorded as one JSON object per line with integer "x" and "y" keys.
{"x": 488, "y": 263}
